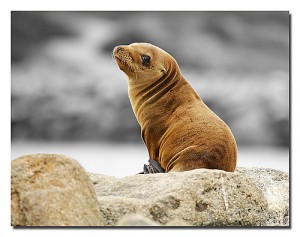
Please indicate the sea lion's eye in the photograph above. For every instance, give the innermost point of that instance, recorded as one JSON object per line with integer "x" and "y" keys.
{"x": 146, "y": 59}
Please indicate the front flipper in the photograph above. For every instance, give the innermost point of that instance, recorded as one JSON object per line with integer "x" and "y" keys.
{"x": 153, "y": 167}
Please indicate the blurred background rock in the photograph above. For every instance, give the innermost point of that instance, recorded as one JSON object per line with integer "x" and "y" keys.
{"x": 66, "y": 86}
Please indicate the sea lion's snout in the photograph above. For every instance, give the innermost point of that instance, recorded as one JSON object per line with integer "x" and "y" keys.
{"x": 118, "y": 49}
{"x": 124, "y": 59}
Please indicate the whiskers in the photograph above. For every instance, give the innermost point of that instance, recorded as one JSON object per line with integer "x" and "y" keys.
{"x": 129, "y": 66}
{"x": 124, "y": 60}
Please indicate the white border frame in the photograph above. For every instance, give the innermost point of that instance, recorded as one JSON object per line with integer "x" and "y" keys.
{"x": 171, "y": 5}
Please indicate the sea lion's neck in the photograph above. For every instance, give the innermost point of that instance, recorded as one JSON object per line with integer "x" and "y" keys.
{"x": 146, "y": 94}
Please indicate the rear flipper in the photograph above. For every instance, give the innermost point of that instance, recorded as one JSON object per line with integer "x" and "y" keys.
{"x": 153, "y": 167}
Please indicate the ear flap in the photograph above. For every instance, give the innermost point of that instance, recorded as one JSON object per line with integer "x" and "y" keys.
{"x": 164, "y": 71}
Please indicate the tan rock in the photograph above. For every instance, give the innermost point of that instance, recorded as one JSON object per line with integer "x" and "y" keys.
{"x": 136, "y": 220}
{"x": 52, "y": 190}
{"x": 275, "y": 187}
{"x": 198, "y": 197}
{"x": 177, "y": 222}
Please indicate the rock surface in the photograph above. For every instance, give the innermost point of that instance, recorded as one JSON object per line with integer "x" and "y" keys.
{"x": 52, "y": 190}
{"x": 275, "y": 187}
{"x": 199, "y": 197}
{"x": 136, "y": 220}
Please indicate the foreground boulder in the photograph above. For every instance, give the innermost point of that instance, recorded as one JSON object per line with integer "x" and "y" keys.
{"x": 199, "y": 197}
{"x": 52, "y": 190}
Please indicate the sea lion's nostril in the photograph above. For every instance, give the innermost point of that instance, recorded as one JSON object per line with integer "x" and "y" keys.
{"x": 119, "y": 48}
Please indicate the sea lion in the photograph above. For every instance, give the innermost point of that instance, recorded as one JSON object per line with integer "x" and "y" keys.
{"x": 181, "y": 133}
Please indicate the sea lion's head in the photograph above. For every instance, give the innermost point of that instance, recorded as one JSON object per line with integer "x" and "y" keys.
{"x": 144, "y": 61}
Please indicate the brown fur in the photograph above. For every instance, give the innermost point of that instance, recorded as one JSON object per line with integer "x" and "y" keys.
{"x": 179, "y": 130}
